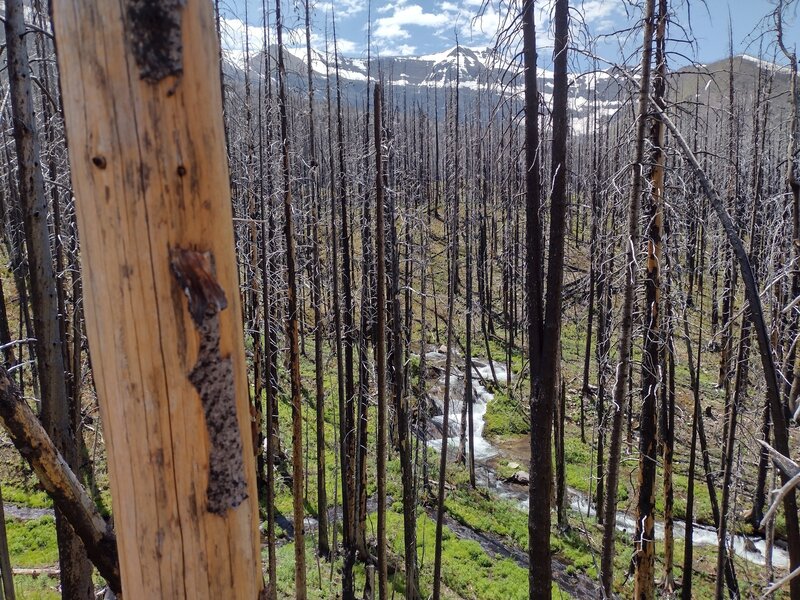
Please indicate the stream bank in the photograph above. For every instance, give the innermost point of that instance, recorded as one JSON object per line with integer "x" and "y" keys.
{"x": 489, "y": 455}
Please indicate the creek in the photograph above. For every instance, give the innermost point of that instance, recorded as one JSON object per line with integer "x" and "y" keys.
{"x": 487, "y": 454}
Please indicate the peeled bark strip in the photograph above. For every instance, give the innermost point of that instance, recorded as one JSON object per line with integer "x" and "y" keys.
{"x": 69, "y": 496}
{"x": 150, "y": 174}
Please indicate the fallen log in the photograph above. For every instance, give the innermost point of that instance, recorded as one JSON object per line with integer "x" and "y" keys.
{"x": 36, "y": 447}
{"x": 53, "y": 572}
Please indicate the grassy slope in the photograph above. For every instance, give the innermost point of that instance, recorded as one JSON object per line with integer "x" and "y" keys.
{"x": 506, "y": 423}
{"x": 468, "y": 572}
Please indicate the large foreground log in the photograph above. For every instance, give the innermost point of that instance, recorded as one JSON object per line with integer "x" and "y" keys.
{"x": 143, "y": 111}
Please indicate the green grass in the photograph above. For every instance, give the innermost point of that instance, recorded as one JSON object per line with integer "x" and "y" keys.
{"x": 42, "y": 587}
{"x": 582, "y": 475}
{"x": 505, "y": 416}
{"x": 576, "y": 552}
{"x": 26, "y": 497}
{"x": 466, "y": 568}
{"x": 32, "y": 543}
{"x": 483, "y": 512}
{"x": 318, "y": 587}
{"x": 467, "y": 571}
{"x": 497, "y": 351}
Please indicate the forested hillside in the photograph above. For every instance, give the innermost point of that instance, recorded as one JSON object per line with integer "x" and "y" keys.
{"x": 285, "y": 321}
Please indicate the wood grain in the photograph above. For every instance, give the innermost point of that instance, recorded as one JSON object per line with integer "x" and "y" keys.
{"x": 150, "y": 174}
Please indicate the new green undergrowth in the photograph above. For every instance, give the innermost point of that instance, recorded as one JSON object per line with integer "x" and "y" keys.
{"x": 505, "y": 416}
{"x": 32, "y": 543}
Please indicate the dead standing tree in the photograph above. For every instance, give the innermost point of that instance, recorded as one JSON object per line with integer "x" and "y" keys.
{"x": 544, "y": 308}
{"x": 143, "y": 111}
{"x": 626, "y": 329}
{"x": 792, "y": 180}
{"x": 292, "y": 326}
{"x": 316, "y": 301}
{"x": 652, "y": 375}
{"x": 756, "y": 316}
{"x": 76, "y": 572}
{"x": 63, "y": 486}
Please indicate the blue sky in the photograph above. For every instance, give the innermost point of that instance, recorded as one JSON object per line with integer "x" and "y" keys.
{"x": 416, "y": 27}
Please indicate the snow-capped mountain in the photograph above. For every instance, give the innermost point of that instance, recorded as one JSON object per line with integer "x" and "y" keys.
{"x": 433, "y": 70}
{"x": 471, "y": 68}
{"x": 417, "y": 77}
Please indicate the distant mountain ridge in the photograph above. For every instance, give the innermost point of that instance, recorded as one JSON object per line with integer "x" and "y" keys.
{"x": 418, "y": 76}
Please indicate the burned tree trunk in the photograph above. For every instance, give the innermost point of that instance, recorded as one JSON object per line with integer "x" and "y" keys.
{"x": 756, "y": 314}
{"x": 63, "y": 486}
{"x": 6, "y": 577}
{"x": 652, "y": 375}
{"x": 292, "y": 327}
{"x": 346, "y": 379}
{"x": 539, "y": 488}
{"x": 76, "y": 572}
{"x": 316, "y": 296}
{"x": 623, "y": 366}
{"x": 793, "y": 182}
{"x": 544, "y": 334}
{"x": 380, "y": 351}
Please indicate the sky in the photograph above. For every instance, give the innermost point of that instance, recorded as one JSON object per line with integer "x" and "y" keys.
{"x": 418, "y": 27}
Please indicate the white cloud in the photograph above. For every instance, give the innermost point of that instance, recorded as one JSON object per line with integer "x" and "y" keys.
{"x": 393, "y": 26}
{"x": 399, "y": 50}
{"x": 600, "y": 10}
{"x": 390, "y": 31}
{"x": 486, "y": 24}
{"x": 392, "y": 6}
{"x": 403, "y": 27}
{"x": 473, "y": 22}
{"x": 343, "y": 8}
{"x": 233, "y": 32}
{"x": 344, "y": 45}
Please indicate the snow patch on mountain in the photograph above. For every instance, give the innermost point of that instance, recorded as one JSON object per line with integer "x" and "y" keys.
{"x": 764, "y": 64}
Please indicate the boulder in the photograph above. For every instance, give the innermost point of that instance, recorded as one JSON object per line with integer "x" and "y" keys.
{"x": 520, "y": 477}
{"x": 443, "y": 350}
{"x": 750, "y": 546}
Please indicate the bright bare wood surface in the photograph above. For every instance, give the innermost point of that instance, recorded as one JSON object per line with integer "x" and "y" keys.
{"x": 150, "y": 174}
